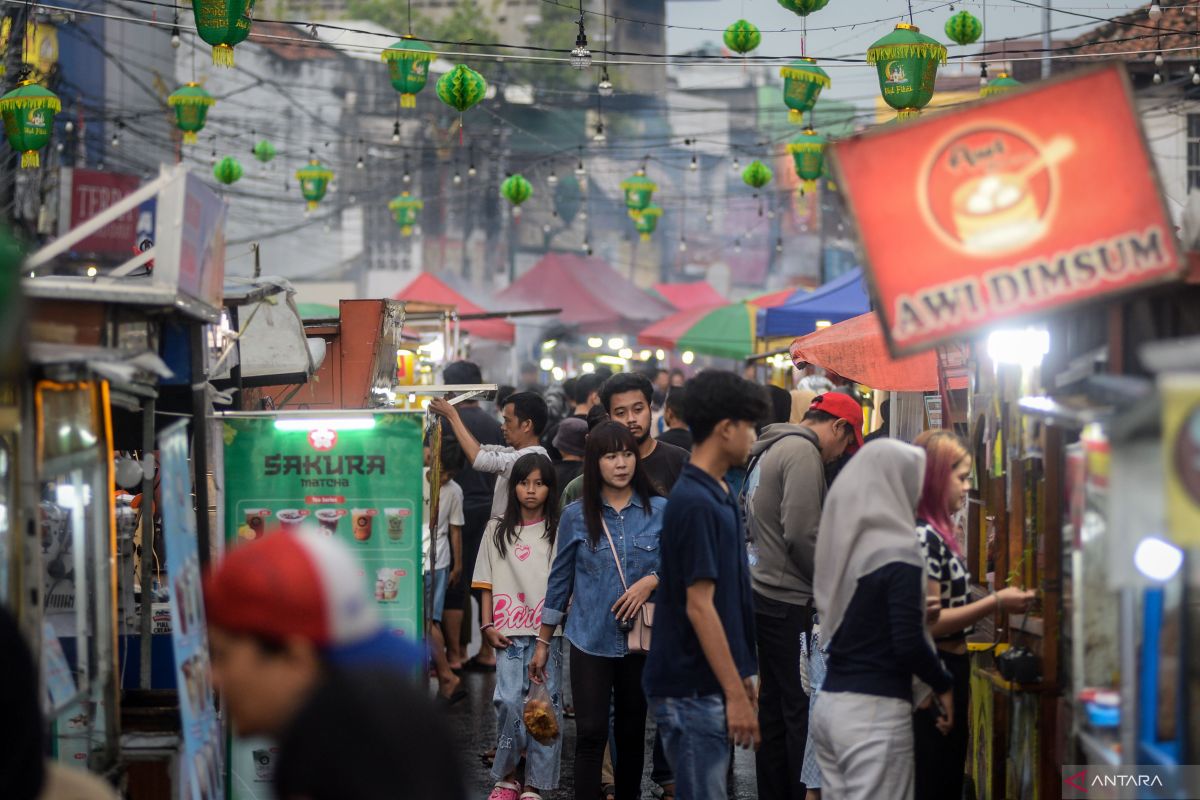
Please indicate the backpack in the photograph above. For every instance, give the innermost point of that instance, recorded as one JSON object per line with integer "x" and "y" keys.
{"x": 750, "y": 486}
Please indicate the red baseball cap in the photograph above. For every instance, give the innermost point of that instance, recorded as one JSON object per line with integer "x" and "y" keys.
{"x": 842, "y": 406}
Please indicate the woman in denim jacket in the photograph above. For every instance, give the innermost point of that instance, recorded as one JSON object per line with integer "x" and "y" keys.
{"x": 616, "y": 495}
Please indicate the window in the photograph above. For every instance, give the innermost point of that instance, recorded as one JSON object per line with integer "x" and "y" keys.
{"x": 1193, "y": 151}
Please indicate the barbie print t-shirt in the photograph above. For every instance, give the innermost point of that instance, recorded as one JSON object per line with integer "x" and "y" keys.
{"x": 516, "y": 579}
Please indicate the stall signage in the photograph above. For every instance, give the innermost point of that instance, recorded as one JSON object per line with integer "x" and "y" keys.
{"x": 1181, "y": 450}
{"x": 88, "y": 192}
{"x": 1027, "y": 203}
{"x": 361, "y": 486}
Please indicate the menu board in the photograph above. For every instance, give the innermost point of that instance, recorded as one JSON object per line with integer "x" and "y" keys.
{"x": 201, "y": 753}
{"x": 357, "y": 479}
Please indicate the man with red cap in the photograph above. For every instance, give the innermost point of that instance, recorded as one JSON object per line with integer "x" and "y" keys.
{"x": 299, "y": 655}
{"x": 782, "y": 499}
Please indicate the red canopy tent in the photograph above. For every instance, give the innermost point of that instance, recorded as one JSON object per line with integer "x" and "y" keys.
{"x": 855, "y": 349}
{"x": 684, "y": 296}
{"x": 594, "y": 297}
{"x": 427, "y": 288}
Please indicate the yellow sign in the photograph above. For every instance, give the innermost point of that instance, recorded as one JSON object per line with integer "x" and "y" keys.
{"x": 1181, "y": 449}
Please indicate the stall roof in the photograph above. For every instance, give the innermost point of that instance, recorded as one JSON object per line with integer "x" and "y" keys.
{"x": 594, "y": 297}
{"x": 684, "y": 296}
{"x": 428, "y": 288}
{"x": 836, "y": 301}
{"x": 856, "y": 349}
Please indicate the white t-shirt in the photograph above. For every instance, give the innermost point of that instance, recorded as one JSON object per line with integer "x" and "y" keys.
{"x": 517, "y": 579}
{"x": 450, "y": 512}
{"x": 499, "y": 460}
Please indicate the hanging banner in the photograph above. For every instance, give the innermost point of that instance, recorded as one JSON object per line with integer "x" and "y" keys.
{"x": 201, "y": 756}
{"x": 1181, "y": 451}
{"x": 358, "y": 479}
{"x": 1029, "y": 202}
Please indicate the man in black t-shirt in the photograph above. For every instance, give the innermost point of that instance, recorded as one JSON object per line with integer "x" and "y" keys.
{"x": 677, "y": 432}
{"x": 627, "y": 397}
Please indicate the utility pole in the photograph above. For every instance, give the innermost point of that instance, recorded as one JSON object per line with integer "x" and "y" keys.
{"x": 1046, "y": 43}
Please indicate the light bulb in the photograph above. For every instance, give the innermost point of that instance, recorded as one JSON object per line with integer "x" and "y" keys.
{"x": 552, "y": 178}
{"x": 457, "y": 179}
{"x": 1155, "y": 10}
{"x": 579, "y": 170}
{"x": 471, "y": 171}
{"x": 546, "y": 229}
{"x": 175, "y": 39}
{"x": 695, "y": 165}
{"x": 736, "y": 164}
{"x": 587, "y": 247}
{"x": 599, "y": 135}
{"x": 68, "y": 126}
{"x": 682, "y": 246}
{"x": 1196, "y": 79}
{"x": 92, "y": 272}
{"x": 779, "y": 245}
{"x": 581, "y": 57}
{"x": 1158, "y": 60}
{"x": 360, "y": 164}
{"x": 353, "y": 199}
{"x": 1192, "y": 68}
{"x": 737, "y": 245}
{"x": 605, "y": 87}
{"x": 1157, "y": 78}
{"x": 407, "y": 178}
{"x": 116, "y": 141}
{"x": 396, "y": 131}
{"x": 770, "y": 213}
{"x": 59, "y": 147}
{"x": 708, "y": 217}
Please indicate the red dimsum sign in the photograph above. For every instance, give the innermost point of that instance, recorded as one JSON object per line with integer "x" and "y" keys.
{"x": 1023, "y": 204}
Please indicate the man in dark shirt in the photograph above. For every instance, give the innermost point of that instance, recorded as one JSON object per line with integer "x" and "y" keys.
{"x": 677, "y": 432}
{"x": 699, "y": 676}
{"x": 626, "y": 397}
{"x": 478, "y": 489}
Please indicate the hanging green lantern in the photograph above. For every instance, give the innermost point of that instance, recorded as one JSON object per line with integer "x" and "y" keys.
{"x": 757, "y": 174}
{"x": 803, "y": 81}
{"x": 803, "y": 7}
{"x": 405, "y": 210}
{"x": 1001, "y": 85}
{"x": 516, "y": 190}
{"x": 964, "y": 28}
{"x": 408, "y": 66}
{"x": 264, "y": 151}
{"x": 191, "y": 103}
{"x": 907, "y": 62}
{"x": 314, "y": 180}
{"x": 639, "y": 190}
{"x": 28, "y": 120}
{"x": 228, "y": 170}
{"x": 461, "y": 88}
{"x": 808, "y": 154}
{"x": 223, "y": 24}
{"x": 741, "y": 37}
{"x": 645, "y": 221}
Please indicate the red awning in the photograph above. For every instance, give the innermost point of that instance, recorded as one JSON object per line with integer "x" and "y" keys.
{"x": 427, "y": 288}
{"x": 855, "y": 349}
{"x": 684, "y": 296}
{"x": 594, "y": 297}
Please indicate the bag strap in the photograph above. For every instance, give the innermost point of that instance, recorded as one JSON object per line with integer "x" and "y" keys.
{"x": 612, "y": 545}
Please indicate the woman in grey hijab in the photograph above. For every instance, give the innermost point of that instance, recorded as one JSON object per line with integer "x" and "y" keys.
{"x": 870, "y": 595}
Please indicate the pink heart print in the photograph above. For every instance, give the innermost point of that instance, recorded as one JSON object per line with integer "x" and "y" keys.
{"x": 521, "y": 551}
{"x": 521, "y": 597}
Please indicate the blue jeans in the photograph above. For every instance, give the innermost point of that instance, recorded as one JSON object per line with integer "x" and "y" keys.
{"x": 512, "y": 685}
{"x": 696, "y": 741}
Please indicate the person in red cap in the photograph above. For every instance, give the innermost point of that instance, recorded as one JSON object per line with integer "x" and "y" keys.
{"x": 299, "y": 655}
{"x": 782, "y": 500}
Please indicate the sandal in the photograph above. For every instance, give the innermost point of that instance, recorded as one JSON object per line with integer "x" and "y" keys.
{"x": 528, "y": 795}
{"x": 503, "y": 790}
{"x": 609, "y": 792}
{"x": 473, "y": 664}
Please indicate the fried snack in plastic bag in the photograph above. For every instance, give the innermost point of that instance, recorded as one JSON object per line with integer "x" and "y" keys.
{"x": 540, "y": 719}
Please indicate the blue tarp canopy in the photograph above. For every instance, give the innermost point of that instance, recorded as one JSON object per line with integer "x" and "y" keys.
{"x": 836, "y": 301}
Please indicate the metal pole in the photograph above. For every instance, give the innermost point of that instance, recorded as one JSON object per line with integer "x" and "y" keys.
{"x": 1046, "y": 43}
{"x": 147, "y": 576}
{"x": 200, "y": 416}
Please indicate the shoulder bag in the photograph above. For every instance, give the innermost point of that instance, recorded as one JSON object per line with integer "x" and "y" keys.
{"x": 637, "y": 638}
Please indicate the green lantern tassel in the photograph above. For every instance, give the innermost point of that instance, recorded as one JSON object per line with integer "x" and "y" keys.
{"x": 645, "y": 237}
{"x": 795, "y": 117}
{"x": 222, "y": 55}
{"x": 30, "y": 159}
{"x": 189, "y": 137}
{"x": 908, "y": 113}
{"x": 894, "y": 52}
{"x": 808, "y": 187}
{"x": 406, "y": 230}
{"x": 408, "y": 101}
{"x": 312, "y": 205}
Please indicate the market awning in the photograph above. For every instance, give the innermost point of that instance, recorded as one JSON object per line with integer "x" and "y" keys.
{"x": 836, "y": 301}
{"x": 726, "y": 330}
{"x": 856, "y": 350}
{"x": 594, "y": 297}
{"x": 427, "y": 288}
{"x": 698, "y": 294}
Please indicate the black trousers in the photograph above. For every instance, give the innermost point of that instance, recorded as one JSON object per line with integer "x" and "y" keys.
{"x": 594, "y": 682}
{"x": 942, "y": 760}
{"x": 782, "y": 703}
{"x": 458, "y": 595}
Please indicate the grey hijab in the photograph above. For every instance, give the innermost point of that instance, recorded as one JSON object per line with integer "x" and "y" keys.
{"x": 868, "y": 521}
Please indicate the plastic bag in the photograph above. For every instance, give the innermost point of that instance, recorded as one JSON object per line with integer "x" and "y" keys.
{"x": 540, "y": 719}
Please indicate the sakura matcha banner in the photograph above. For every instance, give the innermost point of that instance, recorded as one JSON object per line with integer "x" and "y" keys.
{"x": 357, "y": 479}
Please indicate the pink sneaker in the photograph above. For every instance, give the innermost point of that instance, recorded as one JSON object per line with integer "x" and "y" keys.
{"x": 505, "y": 791}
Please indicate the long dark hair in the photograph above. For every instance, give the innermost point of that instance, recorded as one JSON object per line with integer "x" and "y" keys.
{"x": 510, "y": 524}
{"x": 605, "y": 438}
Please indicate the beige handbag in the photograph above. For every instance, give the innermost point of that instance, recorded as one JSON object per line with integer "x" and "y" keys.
{"x": 637, "y": 639}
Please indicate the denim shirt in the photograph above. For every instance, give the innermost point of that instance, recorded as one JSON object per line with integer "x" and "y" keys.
{"x": 590, "y": 575}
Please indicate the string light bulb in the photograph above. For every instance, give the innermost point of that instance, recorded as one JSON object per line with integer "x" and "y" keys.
{"x": 736, "y": 164}
{"x": 983, "y": 74}
{"x": 457, "y": 178}
{"x": 779, "y": 245}
{"x": 581, "y": 57}
{"x": 682, "y": 245}
{"x": 579, "y": 170}
{"x": 1196, "y": 78}
{"x": 737, "y": 245}
{"x": 68, "y": 126}
{"x": 396, "y": 132}
{"x": 695, "y": 165}
{"x": 360, "y": 164}
{"x": 471, "y": 171}
{"x": 176, "y": 39}
{"x": 708, "y": 217}
{"x": 1157, "y": 77}
{"x": 407, "y": 177}
{"x": 1155, "y": 11}
{"x": 605, "y": 87}
{"x": 599, "y": 136}
{"x": 1158, "y": 60}
{"x": 552, "y": 178}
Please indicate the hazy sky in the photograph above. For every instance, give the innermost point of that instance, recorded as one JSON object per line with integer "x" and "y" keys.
{"x": 857, "y": 27}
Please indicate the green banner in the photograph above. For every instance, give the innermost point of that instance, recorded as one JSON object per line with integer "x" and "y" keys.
{"x": 358, "y": 479}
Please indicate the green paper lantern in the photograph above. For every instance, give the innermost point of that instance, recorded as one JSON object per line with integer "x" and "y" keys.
{"x": 461, "y": 88}
{"x": 639, "y": 191}
{"x": 808, "y": 155}
{"x": 757, "y": 174}
{"x": 516, "y": 190}
{"x": 228, "y": 170}
{"x": 264, "y": 151}
{"x": 405, "y": 210}
{"x": 408, "y": 67}
{"x": 1001, "y": 85}
{"x": 645, "y": 221}
{"x": 28, "y": 114}
{"x": 741, "y": 37}
{"x": 191, "y": 103}
{"x": 803, "y": 81}
{"x": 314, "y": 180}
{"x": 803, "y": 7}
{"x": 223, "y": 24}
{"x": 964, "y": 28}
{"x": 907, "y": 63}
